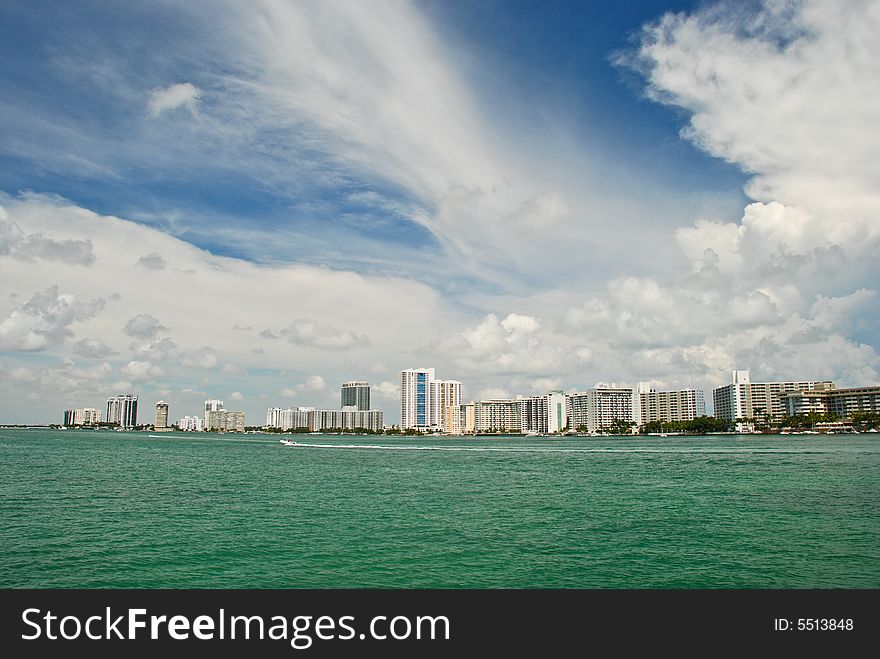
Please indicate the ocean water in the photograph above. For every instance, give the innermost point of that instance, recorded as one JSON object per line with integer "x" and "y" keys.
{"x": 125, "y": 510}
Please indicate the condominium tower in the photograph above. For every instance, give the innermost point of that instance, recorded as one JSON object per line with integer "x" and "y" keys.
{"x": 355, "y": 395}
{"x": 601, "y": 407}
{"x": 122, "y": 410}
{"x": 679, "y": 405}
{"x": 429, "y": 404}
{"x": 161, "y": 415}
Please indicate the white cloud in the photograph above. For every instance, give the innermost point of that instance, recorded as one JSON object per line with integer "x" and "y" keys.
{"x": 92, "y": 348}
{"x": 386, "y": 390}
{"x": 182, "y": 95}
{"x": 15, "y": 243}
{"x": 45, "y": 320}
{"x": 493, "y": 392}
{"x": 21, "y": 375}
{"x": 144, "y": 326}
{"x": 790, "y": 97}
{"x": 152, "y": 261}
{"x": 204, "y": 357}
{"x": 139, "y": 371}
{"x": 790, "y": 94}
{"x": 307, "y": 332}
{"x": 314, "y": 383}
{"x": 236, "y": 395}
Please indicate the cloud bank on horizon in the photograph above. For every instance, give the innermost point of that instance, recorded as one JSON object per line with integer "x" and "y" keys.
{"x": 239, "y": 218}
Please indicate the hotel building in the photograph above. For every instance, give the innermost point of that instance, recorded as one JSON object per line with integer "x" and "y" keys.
{"x": 122, "y": 410}
{"x": 743, "y": 398}
{"x": 679, "y": 405}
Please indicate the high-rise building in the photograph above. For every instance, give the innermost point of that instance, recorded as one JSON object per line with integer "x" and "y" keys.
{"x": 85, "y": 416}
{"x": 213, "y": 405}
{"x": 744, "y": 399}
{"x": 317, "y": 420}
{"x": 225, "y": 420}
{"x": 498, "y": 415}
{"x": 448, "y": 397}
{"x": 544, "y": 414}
{"x": 599, "y": 408}
{"x": 416, "y": 410}
{"x": 429, "y": 404}
{"x": 161, "y": 416}
{"x": 122, "y": 410}
{"x": 680, "y": 405}
{"x": 469, "y": 418}
{"x": 191, "y": 423}
{"x": 355, "y": 395}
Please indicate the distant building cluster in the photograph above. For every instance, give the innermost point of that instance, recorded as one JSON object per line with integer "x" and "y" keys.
{"x": 432, "y": 405}
{"x": 122, "y": 413}
{"x": 424, "y": 408}
{"x": 355, "y": 413}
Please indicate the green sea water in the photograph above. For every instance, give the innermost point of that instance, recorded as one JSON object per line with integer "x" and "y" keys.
{"x": 124, "y": 510}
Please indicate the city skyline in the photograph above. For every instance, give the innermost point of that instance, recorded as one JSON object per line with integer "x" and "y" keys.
{"x": 432, "y": 405}
{"x": 527, "y": 198}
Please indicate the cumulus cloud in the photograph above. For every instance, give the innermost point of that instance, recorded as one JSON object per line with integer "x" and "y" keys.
{"x": 790, "y": 94}
{"x": 140, "y": 371}
{"x": 44, "y": 320}
{"x": 307, "y": 332}
{"x": 514, "y": 345}
{"x": 314, "y": 383}
{"x": 152, "y": 261}
{"x": 204, "y": 357}
{"x": 236, "y": 395}
{"x": 15, "y": 243}
{"x": 386, "y": 390}
{"x": 144, "y": 326}
{"x": 182, "y": 95}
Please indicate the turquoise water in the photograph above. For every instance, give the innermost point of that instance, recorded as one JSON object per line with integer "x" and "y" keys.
{"x": 104, "y": 509}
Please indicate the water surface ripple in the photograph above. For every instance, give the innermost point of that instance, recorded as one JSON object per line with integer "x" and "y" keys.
{"x": 120, "y": 510}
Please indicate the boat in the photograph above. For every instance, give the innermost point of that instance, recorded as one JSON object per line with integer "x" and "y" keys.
{"x": 289, "y": 442}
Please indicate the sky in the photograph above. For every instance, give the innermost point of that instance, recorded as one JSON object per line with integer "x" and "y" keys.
{"x": 259, "y": 201}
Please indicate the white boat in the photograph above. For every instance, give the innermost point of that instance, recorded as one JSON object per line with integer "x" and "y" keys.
{"x": 288, "y": 442}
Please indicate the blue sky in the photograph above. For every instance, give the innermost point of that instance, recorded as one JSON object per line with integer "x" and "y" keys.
{"x": 523, "y": 196}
